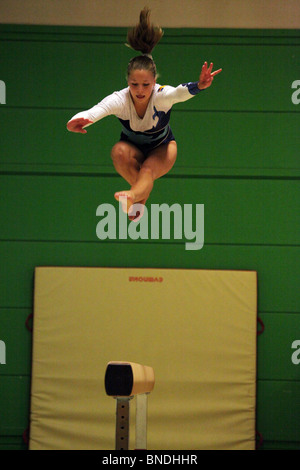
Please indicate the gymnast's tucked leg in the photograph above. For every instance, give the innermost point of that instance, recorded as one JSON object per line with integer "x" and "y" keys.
{"x": 158, "y": 163}
{"x": 127, "y": 160}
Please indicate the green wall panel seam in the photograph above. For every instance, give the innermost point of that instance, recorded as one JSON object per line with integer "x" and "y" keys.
{"x": 96, "y": 171}
{"x": 141, "y": 242}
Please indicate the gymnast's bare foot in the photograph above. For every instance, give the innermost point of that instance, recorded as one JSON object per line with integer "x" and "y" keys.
{"x": 135, "y": 213}
{"x": 126, "y": 198}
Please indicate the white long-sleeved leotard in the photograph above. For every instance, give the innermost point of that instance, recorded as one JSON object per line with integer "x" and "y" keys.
{"x": 151, "y": 130}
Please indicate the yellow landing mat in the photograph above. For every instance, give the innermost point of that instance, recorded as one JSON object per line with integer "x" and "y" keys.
{"x": 196, "y": 328}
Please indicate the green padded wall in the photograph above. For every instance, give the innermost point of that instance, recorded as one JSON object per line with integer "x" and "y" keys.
{"x": 238, "y": 154}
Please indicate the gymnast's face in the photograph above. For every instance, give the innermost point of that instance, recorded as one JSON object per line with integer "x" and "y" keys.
{"x": 141, "y": 84}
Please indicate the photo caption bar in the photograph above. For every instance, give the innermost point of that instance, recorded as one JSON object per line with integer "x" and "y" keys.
{"x": 151, "y": 458}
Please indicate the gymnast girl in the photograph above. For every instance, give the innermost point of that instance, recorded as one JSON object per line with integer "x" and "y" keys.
{"x": 147, "y": 149}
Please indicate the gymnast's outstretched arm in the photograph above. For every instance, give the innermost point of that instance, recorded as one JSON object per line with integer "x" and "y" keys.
{"x": 77, "y": 125}
{"x": 207, "y": 76}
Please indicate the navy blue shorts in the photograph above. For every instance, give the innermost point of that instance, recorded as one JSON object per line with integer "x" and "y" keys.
{"x": 147, "y": 148}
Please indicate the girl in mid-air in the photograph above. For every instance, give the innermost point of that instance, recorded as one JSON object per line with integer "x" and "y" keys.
{"x": 147, "y": 148}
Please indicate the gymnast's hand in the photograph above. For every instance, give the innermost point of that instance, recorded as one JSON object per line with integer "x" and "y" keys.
{"x": 76, "y": 125}
{"x": 207, "y": 76}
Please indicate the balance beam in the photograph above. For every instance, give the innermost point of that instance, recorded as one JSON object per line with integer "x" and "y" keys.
{"x": 123, "y": 381}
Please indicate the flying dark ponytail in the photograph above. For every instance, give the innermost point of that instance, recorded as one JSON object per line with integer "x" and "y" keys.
{"x": 143, "y": 38}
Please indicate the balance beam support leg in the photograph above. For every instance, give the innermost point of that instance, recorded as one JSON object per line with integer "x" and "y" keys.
{"x": 141, "y": 421}
{"x": 122, "y": 423}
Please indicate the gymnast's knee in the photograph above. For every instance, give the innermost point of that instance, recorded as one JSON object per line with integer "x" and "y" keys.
{"x": 120, "y": 153}
{"x": 148, "y": 170}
